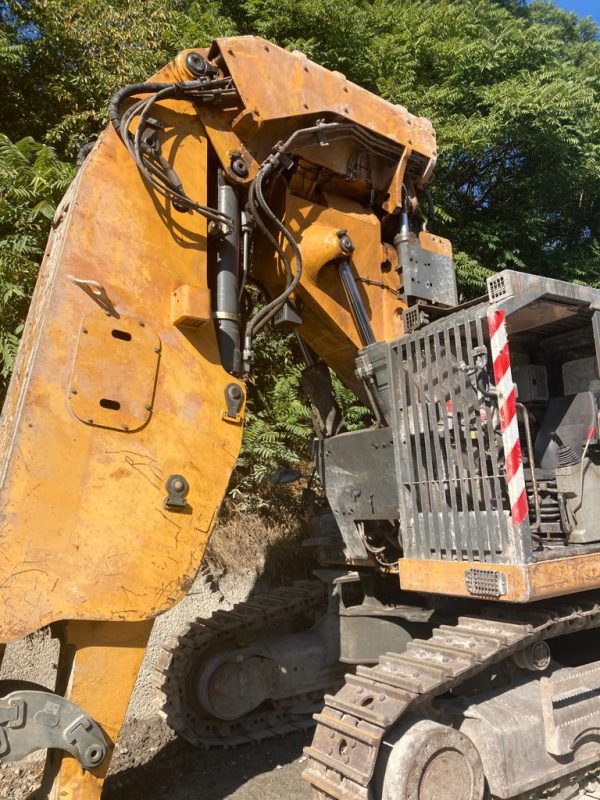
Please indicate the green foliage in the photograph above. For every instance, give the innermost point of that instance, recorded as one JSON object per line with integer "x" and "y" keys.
{"x": 71, "y": 55}
{"x": 32, "y": 180}
{"x": 513, "y": 92}
{"x": 278, "y": 422}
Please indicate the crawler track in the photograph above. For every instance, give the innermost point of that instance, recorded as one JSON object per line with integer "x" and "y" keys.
{"x": 355, "y": 721}
{"x": 244, "y": 624}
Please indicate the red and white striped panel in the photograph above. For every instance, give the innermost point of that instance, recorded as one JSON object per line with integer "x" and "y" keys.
{"x": 507, "y": 406}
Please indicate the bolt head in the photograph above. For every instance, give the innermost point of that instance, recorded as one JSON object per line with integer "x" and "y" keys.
{"x": 239, "y": 167}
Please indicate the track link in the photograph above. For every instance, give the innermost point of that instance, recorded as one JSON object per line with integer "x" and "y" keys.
{"x": 224, "y": 630}
{"x": 355, "y": 721}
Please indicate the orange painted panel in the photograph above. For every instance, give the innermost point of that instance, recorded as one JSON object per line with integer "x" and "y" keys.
{"x": 84, "y": 532}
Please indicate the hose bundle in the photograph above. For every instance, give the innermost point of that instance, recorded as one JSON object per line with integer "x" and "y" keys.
{"x": 143, "y": 142}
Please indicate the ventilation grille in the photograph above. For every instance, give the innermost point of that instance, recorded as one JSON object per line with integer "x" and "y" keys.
{"x": 412, "y": 319}
{"x": 498, "y": 288}
{"x": 485, "y": 582}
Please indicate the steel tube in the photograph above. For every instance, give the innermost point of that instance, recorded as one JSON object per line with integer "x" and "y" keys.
{"x": 357, "y": 307}
{"x": 227, "y": 285}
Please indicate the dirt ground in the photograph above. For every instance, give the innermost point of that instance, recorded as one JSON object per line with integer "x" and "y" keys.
{"x": 150, "y": 764}
{"x": 177, "y": 771}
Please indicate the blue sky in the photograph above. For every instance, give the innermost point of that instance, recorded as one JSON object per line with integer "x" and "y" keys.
{"x": 585, "y": 8}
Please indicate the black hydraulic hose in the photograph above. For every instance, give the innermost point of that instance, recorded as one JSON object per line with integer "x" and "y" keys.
{"x": 178, "y": 89}
{"x": 430, "y": 208}
{"x": 155, "y": 170}
{"x": 128, "y": 91}
{"x": 267, "y": 233}
{"x": 267, "y": 312}
{"x": 281, "y": 159}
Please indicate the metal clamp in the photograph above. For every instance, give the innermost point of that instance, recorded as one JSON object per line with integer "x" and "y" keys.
{"x": 33, "y": 720}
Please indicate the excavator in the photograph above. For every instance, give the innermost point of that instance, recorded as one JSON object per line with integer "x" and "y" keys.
{"x": 447, "y": 643}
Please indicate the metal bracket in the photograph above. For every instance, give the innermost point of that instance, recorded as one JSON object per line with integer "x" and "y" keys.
{"x": 98, "y": 294}
{"x": 33, "y": 720}
{"x": 12, "y": 714}
{"x": 178, "y": 488}
{"x": 234, "y": 398}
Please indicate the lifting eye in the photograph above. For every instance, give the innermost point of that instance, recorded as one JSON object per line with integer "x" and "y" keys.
{"x": 123, "y": 335}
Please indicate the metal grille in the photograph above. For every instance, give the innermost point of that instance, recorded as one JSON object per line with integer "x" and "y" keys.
{"x": 498, "y": 288}
{"x": 412, "y": 319}
{"x": 453, "y": 494}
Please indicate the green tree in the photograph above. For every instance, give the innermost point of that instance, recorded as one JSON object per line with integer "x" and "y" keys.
{"x": 513, "y": 91}
{"x": 71, "y": 55}
{"x": 32, "y": 181}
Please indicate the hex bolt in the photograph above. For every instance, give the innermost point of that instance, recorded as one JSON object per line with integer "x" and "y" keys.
{"x": 157, "y": 349}
{"x": 125, "y": 427}
{"x": 148, "y": 407}
{"x": 90, "y": 420}
{"x": 84, "y": 330}
{"x": 141, "y": 324}
{"x": 73, "y": 390}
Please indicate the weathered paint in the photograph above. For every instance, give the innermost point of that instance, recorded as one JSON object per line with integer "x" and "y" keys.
{"x": 84, "y": 531}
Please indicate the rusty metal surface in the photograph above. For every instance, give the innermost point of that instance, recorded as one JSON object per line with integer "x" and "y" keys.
{"x": 309, "y": 89}
{"x": 524, "y": 582}
{"x": 115, "y": 370}
{"x": 328, "y": 326}
{"x": 84, "y": 531}
{"x": 98, "y": 666}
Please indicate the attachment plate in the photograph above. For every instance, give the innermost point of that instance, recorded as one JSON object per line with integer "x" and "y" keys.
{"x": 114, "y": 374}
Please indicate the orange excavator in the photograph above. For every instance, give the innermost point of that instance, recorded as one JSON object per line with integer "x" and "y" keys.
{"x": 454, "y": 520}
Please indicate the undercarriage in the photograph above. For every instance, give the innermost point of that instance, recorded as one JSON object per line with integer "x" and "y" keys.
{"x": 471, "y": 703}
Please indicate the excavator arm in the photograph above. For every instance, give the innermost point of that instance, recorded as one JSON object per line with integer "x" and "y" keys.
{"x": 124, "y": 416}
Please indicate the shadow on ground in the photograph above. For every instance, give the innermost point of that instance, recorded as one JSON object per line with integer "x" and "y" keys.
{"x": 177, "y": 771}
